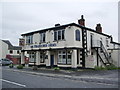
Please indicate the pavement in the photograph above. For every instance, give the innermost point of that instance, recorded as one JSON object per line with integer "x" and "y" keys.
{"x": 101, "y": 76}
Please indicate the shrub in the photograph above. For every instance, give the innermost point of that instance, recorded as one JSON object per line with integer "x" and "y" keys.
{"x": 20, "y": 66}
{"x": 11, "y": 66}
{"x": 35, "y": 67}
{"x": 99, "y": 68}
{"x": 56, "y": 68}
{"x": 111, "y": 67}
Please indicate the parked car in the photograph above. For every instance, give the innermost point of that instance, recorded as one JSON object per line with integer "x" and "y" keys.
{"x": 5, "y": 62}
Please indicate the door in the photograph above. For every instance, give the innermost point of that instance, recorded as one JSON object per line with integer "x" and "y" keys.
{"x": 52, "y": 60}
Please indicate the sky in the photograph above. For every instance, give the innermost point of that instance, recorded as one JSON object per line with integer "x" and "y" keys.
{"x": 20, "y": 16}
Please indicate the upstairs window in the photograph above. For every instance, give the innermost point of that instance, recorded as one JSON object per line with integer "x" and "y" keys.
{"x": 42, "y": 37}
{"x": 77, "y": 34}
{"x": 107, "y": 43}
{"x": 11, "y": 51}
{"x": 29, "y": 39}
{"x": 59, "y": 35}
{"x": 18, "y": 52}
{"x": 55, "y": 36}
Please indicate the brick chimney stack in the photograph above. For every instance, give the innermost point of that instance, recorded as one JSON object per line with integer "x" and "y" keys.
{"x": 99, "y": 28}
{"x": 81, "y": 21}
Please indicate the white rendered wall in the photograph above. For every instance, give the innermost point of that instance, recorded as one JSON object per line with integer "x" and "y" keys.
{"x": 3, "y": 49}
{"x": 68, "y": 42}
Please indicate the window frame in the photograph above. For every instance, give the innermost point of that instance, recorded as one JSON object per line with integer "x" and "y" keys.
{"x": 42, "y": 37}
{"x": 64, "y": 61}
{"x": 29, "y": 39}
{"x": 59, "y": 35}
{"x": 32, "y": 57}
{"x": 77, "y": 35}
{"x": 18, "y": 52}
{"x": 11, "y": 51}
{"x": 42, "y": 57}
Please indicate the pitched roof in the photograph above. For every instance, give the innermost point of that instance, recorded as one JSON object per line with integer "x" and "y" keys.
{"x": 10, "y": 46}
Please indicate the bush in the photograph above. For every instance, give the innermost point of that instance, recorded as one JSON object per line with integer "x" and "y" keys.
{"x": 20, "y": 66}
{"x": 11, "y": 66}
{"x": 35, "y": 67}
{"x": 111, "y": 67}
{"x": 56, "y": 68}
{"x": 99, "y": 68}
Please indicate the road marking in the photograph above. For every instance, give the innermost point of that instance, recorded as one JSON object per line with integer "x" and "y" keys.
{"x": 13, "y": 83}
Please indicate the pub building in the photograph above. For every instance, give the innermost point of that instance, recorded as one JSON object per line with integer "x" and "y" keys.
{"x": 70, "y": 46}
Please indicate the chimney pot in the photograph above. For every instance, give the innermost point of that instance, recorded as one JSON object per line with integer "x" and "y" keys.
{"x": 99, "y": 28}
{"x": 81, "y": 21}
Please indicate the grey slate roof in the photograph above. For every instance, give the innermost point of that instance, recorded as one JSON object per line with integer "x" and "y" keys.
{"x": 10, "y": 46}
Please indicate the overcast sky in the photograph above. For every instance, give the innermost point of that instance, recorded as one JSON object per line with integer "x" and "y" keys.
{"x": 21, "y": 17}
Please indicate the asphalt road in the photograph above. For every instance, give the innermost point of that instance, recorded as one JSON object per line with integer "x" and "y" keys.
{"x": 16, "y": 79}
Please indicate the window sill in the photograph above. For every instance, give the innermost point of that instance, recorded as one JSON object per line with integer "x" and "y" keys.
{"x": 63, "y": 64}
{"x": 77, "y": 40}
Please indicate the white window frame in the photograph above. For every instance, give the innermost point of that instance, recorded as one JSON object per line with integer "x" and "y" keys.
{"x": 42, "y": 37}
{"x": 29, "y": 39}
{"x": 62, "y": 60}
{"x": 42, "y": 57}
{"x": 61, "y": 37}
{"x": 32, "y": 57}
{"x": 77, "y": 35}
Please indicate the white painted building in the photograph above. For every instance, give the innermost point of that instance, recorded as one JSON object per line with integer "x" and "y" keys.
{"x": 71, "y": 45}
{"x": 9, "y": 51}
{"x": 3, "y": 49}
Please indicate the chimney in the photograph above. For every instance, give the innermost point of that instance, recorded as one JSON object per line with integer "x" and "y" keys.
{"x": 99, "y": 28}
{"x": 81, "y": 21}
{"x": 57, "y": 25}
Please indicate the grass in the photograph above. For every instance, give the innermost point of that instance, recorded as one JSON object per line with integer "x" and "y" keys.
{"x": 11, "y": 66}
{"x": 110, "y": 67}
{"x": 56, "y": 68}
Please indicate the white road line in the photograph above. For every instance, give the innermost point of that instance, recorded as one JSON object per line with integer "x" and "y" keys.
{"x": 13, "y": 83}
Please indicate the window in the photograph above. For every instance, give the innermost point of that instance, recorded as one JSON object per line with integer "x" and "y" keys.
{"x": 77, "y": 34}
{"x": 59, "y": 35}
{"x": 29, "y": 39}
{"x": 18, "y": 52}
{"x": 42, "y": 37}
{"x": 42, "y": 57}
{"x": 32, "y": 56}
{"x": 63, "y": 31}
{"x": 64, "y": 58}
{"x": 107, "y": 43}
{"x": 55, "y": 35}
{"x": 11, "y": 51}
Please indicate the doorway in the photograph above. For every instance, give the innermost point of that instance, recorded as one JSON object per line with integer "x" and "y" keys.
{"x": 52, "y": 60}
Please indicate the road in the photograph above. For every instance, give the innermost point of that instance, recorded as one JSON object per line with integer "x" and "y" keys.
{"x": 16, "y": 79}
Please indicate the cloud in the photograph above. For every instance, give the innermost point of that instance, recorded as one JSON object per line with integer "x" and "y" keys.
{"x": 22, "y": 17}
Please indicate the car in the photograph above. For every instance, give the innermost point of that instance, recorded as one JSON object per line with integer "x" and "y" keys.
{"x": 5, "y": 62}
